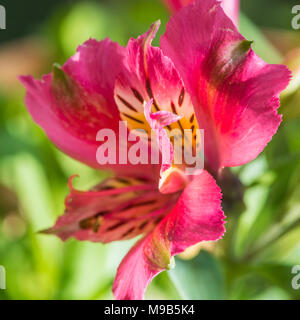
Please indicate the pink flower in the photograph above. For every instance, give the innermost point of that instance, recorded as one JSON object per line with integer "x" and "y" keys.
{"x": 205, "y": 75}
{"x": 230, "y": 7}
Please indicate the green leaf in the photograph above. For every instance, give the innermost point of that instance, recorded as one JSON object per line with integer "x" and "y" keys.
{"x": 199, "y": 279}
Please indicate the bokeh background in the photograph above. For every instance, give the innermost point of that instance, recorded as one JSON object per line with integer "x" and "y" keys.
{"x": 262, "y": 199}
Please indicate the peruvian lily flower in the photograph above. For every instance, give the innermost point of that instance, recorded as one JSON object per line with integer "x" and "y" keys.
{"x": 230, "y": 7}
{"x": 205, "y": 75}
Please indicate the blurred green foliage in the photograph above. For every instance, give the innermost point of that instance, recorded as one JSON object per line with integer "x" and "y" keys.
{"x": 255, "y": 258}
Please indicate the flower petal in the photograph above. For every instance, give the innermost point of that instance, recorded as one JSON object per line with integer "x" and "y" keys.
{"x": 151, "y": 75}
{"x": 134, "y": 273}
{"x": 175, "y": 5}
{"x": 234, "y": 93}
{"x": 119, "y": 208}
{"x": 95, "y": 67}
{"x": 73, "y": 103}
{"x": 196, "y": 217}
{"x": 231, "y": 7}
{"x": 38, "y": 101}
